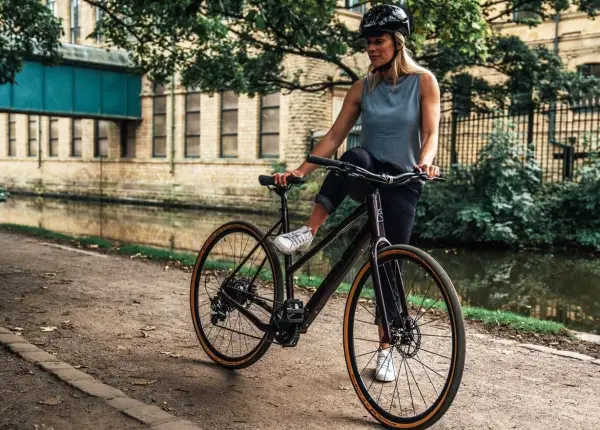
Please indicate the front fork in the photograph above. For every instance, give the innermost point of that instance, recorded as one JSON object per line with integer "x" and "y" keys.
{"x": 379, "y": 241}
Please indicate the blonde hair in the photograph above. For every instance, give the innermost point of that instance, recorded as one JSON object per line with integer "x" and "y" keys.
{"x": 403, "y": 65}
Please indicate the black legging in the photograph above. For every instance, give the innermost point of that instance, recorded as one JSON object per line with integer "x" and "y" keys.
{"x": 398, "y": 205}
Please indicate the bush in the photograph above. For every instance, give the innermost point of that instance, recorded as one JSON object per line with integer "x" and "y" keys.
{"x": 501, "y": 200}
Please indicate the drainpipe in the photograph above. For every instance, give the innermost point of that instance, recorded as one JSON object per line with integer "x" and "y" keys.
{"x": 173, "y": 123}
{"x": 39, "y": 139}
{"x": 552, "y": 118}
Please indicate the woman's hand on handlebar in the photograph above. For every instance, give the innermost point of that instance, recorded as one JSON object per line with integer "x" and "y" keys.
{"x": 431, "y": 170}
{"x": 281, "y": 178}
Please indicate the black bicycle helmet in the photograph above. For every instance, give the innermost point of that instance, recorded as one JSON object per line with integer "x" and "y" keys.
{"x": 385, "y": 18}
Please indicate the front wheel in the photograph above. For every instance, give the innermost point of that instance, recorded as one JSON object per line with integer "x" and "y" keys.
{"x": 427, "y": 350}
{"x": 234, "y": 259}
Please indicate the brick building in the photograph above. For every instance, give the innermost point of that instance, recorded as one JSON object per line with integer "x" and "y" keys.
{"x": 196, "y": 148}
{"x": 188, "y": 147}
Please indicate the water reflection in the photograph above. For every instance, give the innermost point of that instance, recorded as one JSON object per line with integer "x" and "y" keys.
{"x": 557, "y": 287}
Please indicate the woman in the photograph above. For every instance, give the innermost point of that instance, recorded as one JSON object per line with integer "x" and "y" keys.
{"x": 400, "y": 106}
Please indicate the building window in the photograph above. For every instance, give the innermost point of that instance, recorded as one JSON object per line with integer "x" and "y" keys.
{"x": 101, "y": 139}
{"x": 229, "y": 124}
{"x": 53, "y": 142}
{"x": 269, "y": 126}
{"x": 51, "y": 4}
{"x": 359, "y": 6}
{"x": 32, "y": 136}
{"x": 159, "y": 143}
{"x": 75, "y": 21}
{"x": 589, "y": 69}
{"x": 128, "y": 139}
{"x": 525, "y": 12}
{"x": 99, "y": 16}
{"x": 192, "y": 124}
{"x": 12, "y": 135}
{"x": 76, "y": 138}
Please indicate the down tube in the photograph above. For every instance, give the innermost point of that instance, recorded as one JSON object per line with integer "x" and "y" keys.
{"x": 335, "y": 276}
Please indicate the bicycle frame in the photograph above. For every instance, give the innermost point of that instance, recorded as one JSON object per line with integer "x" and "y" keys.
{"x": 373, "y": 231}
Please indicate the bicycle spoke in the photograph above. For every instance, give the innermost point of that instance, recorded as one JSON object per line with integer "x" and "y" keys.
{"x": 409, "y": 389}
{"x": 404, "y": 276}
{"x": 435, "y": 353}
{"x": 417, "y": 384}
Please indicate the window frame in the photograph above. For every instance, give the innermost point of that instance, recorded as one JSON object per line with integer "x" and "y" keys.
{"x": 262, "y": 133}
{"x": 32, "y": 120}
{"x": 73, "y": 138}
{"x": 236, "y": 134}
{"x": 155, "y": 96}
{"x": 356, "y": 6}
{"x": 126, "y": 126}
{"x": 76, "y": 19}
{"x": 97, "y": 139}
{"x": 186, "y": 135}
{"x": 11, "y": 150}
{"x": 50, "y": 138}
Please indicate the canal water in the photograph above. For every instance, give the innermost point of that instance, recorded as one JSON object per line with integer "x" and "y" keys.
{"x": 558, "y": 287}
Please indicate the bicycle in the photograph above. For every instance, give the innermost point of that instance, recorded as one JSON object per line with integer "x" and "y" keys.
{"x": 236, "y": 295}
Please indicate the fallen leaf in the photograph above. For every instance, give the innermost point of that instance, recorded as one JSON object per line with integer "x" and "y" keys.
{"x": 50, "y": 274}
{"x": 93, "y": 246}
{"x": 144, "y": 382}
{"x": 144, "y": 334}
{"x": 66, "y": 322}
{"x": 49, "y": 328}
{"x": 344, "y": 388}
{"x": 171, "y": 354}
{"x": 52, "y": 401}
{"x": 165, "y": 268}
{"x": 148, "y": 328}
{"x": 18, "y": 328}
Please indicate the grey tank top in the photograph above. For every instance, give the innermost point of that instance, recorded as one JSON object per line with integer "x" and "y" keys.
{"x": 391, "y": 122}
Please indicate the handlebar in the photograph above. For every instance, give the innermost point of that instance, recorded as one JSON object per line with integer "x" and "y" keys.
{"x": 270, "y": 180}
{"x": 356, "y": 171}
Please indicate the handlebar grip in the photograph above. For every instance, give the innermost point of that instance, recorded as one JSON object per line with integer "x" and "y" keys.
{"x": 323, "y": 161}
{"x": 270, "y": 180}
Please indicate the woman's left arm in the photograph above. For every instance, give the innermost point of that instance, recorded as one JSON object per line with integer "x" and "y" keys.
{"x": 430, "y": 120}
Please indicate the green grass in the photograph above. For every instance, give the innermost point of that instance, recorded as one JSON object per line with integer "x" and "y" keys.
{"x": 486, "y": 316}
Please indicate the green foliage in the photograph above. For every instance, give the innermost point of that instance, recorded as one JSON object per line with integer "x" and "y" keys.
{"x": 514, "y": 321}
{"x": 241, "y": 44}
{"x": 500, "y": 200}
{"x": 27, "y": 28}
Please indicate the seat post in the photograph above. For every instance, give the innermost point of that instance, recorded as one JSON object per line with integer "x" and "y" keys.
{"x": 285, "y": 227}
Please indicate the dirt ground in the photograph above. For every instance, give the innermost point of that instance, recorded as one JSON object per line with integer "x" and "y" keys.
{"x": 100, "y": 304}
{"x": 30, "y": 397}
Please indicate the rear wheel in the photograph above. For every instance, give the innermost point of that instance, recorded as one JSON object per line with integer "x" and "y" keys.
{"x": 226, "y": 335}
{"x": 427, "y": 347}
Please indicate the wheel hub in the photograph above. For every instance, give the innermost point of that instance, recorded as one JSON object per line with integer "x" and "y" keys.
{"x": 407, "y": 340}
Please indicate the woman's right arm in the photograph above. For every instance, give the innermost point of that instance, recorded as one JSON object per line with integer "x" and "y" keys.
{"x": 334, "y": 137}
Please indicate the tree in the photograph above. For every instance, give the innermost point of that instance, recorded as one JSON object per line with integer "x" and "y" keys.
{"x": 241, "y": 44}
{"x": 27, "y": 29}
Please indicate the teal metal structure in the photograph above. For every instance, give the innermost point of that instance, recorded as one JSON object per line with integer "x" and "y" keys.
{"x": 89, "y": 83}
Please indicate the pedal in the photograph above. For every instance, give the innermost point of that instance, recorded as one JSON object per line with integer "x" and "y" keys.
{"x": 293, "y": 311}
{"x": 291, "y": 339}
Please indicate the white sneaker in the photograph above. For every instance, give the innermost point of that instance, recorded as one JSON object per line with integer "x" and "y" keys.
{"x": 297, "y": 240}
{"x": 386, "y": 368}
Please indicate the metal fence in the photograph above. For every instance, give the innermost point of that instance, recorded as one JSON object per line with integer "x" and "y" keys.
{"x": 564, "y": 137}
